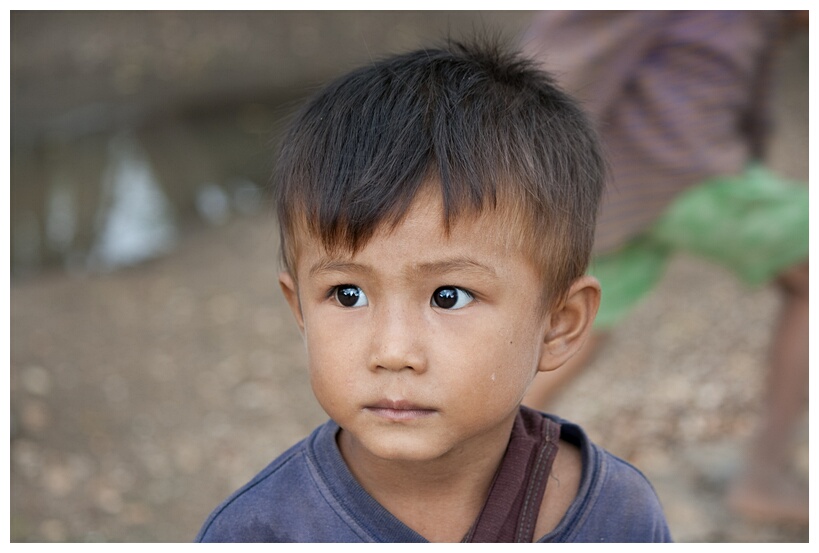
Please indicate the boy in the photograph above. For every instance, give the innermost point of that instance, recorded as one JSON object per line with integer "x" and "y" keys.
{"x": 437, "y": 213}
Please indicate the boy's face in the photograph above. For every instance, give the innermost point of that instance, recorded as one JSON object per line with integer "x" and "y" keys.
{"x": 421, "y": 344}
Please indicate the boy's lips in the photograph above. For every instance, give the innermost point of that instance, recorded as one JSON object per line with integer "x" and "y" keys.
{"x": 398, "y": 410}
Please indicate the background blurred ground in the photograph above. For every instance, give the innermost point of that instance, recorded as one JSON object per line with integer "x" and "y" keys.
{"x": 140, "y": 398}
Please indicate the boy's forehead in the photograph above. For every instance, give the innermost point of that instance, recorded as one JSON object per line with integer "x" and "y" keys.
{"x": 491, "y": 230}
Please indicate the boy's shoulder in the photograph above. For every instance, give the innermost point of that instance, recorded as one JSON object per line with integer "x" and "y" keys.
{"x": 238, "y": 518}
{"x": 615, "y": 502}
{"x": 305, "y": 495}
{"x": 276, "y": 505}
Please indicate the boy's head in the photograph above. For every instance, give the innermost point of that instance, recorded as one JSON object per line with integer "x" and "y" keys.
{"x": 437, "y": 212}
{"x": 481, "y": 126}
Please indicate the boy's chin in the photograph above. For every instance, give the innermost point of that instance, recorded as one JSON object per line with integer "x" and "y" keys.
{"x": 398, "y": 446}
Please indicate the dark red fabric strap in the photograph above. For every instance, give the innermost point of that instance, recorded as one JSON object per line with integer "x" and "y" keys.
{"x": 513, "y": 505}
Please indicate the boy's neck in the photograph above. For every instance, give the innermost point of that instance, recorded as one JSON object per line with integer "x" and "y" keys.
{"x": 439, "y": 499}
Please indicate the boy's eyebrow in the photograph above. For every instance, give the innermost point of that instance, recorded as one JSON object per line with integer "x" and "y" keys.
{"x": 330, "y": 265}
{"x": 451, "y": 265}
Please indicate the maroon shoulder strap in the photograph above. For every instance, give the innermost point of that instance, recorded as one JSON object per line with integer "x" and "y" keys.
{"x": 513, "y": 505}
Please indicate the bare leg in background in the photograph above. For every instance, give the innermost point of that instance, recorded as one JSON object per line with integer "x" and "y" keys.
{"x": 765, "y": 491}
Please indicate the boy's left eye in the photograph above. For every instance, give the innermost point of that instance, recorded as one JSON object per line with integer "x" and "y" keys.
{"x": 451, "y": 297}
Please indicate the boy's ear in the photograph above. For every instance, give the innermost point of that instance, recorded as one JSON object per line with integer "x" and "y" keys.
{"x": 291, "y": 294}
{"x": 570, "y": 323}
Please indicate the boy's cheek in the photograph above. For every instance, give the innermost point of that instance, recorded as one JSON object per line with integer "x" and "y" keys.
{"x": 333, "y": 364}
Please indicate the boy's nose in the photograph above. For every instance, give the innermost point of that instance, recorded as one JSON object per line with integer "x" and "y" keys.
{"x": 396, "y": 341}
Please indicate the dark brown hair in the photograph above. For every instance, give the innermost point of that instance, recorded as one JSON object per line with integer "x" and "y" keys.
{"x": 483, "y": 123}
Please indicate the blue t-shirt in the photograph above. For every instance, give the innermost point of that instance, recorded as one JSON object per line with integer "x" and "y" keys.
{"x": 309, "y": 495}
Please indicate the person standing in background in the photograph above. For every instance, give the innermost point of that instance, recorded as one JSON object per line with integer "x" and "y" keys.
{"x": 681, "y": 101}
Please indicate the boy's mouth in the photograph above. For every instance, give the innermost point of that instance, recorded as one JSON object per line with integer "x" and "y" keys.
{"x": 398, "y": 410}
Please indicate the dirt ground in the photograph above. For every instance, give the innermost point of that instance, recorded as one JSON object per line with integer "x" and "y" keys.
{"x": 141, "y": 398}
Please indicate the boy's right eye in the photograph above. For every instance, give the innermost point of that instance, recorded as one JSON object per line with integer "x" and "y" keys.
{"x": 349, "y": 295}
